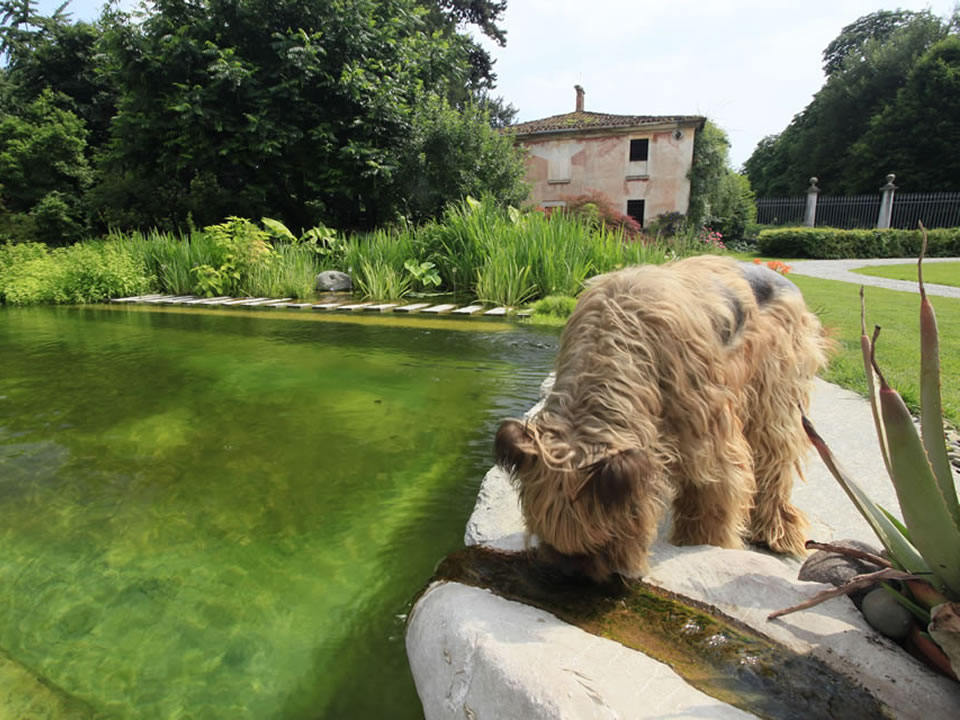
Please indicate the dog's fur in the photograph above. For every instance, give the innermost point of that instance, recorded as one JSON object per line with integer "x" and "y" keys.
{"x": 681, "y": 384}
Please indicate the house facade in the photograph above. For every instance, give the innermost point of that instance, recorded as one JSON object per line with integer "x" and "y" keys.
{"x": 640, "y": 163}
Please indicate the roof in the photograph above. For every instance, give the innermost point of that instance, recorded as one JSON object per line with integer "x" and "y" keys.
{"x": 582, "y": 120}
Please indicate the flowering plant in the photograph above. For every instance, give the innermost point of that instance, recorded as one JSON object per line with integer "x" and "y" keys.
{"x": 713, "y": 238}
{"x": 775, "y": 265}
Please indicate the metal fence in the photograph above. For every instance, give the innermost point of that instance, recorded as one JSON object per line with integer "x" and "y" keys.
{"x": 940, "y": 209}
{"x": 780, "y": 210}
{"x": 850, "y": 211}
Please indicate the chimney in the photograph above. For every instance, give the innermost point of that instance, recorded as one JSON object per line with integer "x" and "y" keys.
{"x": 579, "y": 97}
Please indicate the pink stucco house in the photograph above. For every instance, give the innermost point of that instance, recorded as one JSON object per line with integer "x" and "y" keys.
{"x": 641, "y": 163}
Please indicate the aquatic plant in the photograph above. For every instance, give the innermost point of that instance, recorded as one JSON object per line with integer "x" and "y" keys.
{"x": 924, "y": 550}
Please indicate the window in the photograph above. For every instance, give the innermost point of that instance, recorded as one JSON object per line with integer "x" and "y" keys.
{"x": 635, "y": 210}
{"x": 558, "y": 166}
{"x": 639, "y": 150}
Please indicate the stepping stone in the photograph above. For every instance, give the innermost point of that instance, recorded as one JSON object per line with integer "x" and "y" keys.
{"x": 358, "y": 306}
{"x": 184, "y": 301}
{"x": 380, "y": 308}
{"x": 437, "y": 309}
{"x": 496, "y": 311}
{"x": 412, "y": 308}
{"x": 135, "y": 298}
{"x": 326, "y": 306}
{"x": 167, "y": 299}
{"x": 207, "y": 301}
{"x": 468, "y": 310}
{"x": 215, "y": 301}
{"x": 273, "y": 302}
{"x": 299, "y": 306}
{"x": 243, "y": 301}
{"x": 524, "y": 313}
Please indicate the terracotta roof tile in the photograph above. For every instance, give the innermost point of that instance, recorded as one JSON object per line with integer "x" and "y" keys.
{"x": 596, "y": 121}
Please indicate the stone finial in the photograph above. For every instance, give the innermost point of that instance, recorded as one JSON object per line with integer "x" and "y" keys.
{"x": 890, "y": 186}
{"x": 813, "y": 185}
{"x": 580, "y": 94}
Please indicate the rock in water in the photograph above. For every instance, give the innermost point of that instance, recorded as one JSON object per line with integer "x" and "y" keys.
{"x": 334, "y": 281}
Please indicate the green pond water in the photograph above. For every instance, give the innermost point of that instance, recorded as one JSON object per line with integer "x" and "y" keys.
{"x": 217, "y": 514}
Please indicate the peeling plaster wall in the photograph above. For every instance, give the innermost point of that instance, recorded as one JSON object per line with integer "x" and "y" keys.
{"x": 561, "y": 167}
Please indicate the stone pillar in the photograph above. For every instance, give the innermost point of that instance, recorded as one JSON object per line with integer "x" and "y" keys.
{"x": 886, "y": 202}
{"x": 810, "y": 212}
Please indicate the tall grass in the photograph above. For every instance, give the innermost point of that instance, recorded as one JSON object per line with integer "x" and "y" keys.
{"x": 375, "y": 261}
{"x": 478, "y": 250}
{"x": 290, "y": 272}
{"x": 171, "y": 257}
{"x": 506, "y": 257}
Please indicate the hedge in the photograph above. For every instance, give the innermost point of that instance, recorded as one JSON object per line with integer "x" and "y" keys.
{"x": 832, "y": 243}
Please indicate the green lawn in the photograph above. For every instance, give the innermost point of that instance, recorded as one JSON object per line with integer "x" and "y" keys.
{"x": 898, "y": 349}
{"x": 947, "y": 273}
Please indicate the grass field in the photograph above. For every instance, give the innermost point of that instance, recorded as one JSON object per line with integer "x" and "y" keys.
{"x": 947, "y": 273}
{"x": 898, "y": 348}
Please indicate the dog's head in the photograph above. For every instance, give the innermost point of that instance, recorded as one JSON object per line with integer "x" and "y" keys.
{"x": 608, "y": 482}
{"x": 581, "y": 505}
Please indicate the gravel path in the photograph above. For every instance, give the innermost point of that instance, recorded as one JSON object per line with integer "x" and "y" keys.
{"x": 841, "y": 270}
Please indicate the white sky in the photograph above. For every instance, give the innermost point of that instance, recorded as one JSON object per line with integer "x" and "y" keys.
{"x": 748, "y": 65}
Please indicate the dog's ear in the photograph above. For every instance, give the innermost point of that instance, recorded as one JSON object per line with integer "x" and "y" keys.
{"x": 613, "y": 479}
{"x": 514, "y": 447}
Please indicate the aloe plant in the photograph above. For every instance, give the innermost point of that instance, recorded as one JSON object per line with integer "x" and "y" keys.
{"x": 924, "y": 549}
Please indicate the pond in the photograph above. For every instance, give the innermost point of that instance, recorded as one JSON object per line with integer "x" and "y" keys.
{"x": 224, "y": 514}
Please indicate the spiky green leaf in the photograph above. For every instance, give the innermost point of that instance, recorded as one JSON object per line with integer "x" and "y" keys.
{"x": 921, "y": 501}
{"x": 931, "y": 409}
{"x": 902, "y": 553}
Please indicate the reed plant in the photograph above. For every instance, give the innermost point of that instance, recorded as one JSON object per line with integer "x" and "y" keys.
{"x": 289, "y": 272}
{"x": 503, "y": 280}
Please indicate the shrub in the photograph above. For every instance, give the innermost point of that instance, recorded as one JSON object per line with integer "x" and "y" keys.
{"x": 560, "y": 306}
{"x": 87, "y": 272}
{"x": 832, "y": 243}
{"x": 596, "y": 209}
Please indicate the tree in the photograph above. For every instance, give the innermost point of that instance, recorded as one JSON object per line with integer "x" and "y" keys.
{"x": 43, "y": 173}
{"x": 917, "y": 134}
{"x": 454, "y": 154}
{"x": 870, "y": 64}
{"x": 295, "y": 110}
{"x": 852, "y": 40}
{"x": 719, "y": 197}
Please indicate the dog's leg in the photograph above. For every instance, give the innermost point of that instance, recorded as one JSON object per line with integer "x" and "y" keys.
{"x": 775, "y": 522}
{"x": 714, "y": 491}
{"x": 781, "y": 387}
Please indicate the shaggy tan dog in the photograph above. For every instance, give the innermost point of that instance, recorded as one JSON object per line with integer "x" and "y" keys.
{"x": 681, "y": 384}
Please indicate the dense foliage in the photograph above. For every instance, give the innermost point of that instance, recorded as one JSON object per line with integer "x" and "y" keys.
{"x": 351, "y": 113}
{"x": 833, "y": 243}
{"x": 720, "y": 198}
{"x": 889, "y": 104}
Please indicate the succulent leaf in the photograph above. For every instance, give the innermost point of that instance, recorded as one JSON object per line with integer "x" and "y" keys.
{"x": 866, "y": 347}
{"x": 902, "y": 553}
{"x": 922, "y": 503}
{"x": 931, "y": 410}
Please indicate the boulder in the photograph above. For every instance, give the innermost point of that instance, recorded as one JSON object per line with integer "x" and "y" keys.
{"x": 334, "y": 281}
{"x": 476, "y": 655}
